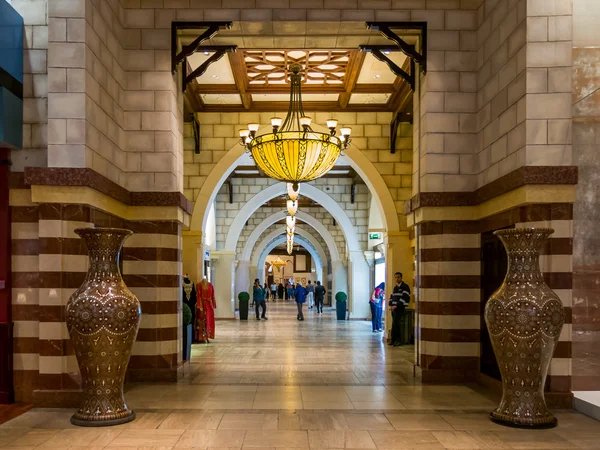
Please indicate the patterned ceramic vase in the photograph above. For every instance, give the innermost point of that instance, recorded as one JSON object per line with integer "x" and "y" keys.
{"x": 103, "y": 317}
{"x": 524, "y": 318}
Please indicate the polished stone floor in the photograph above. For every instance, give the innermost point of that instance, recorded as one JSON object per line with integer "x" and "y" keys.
{"x": 317, "y": 384}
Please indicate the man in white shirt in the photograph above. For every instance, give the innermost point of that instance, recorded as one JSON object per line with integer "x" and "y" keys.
{"x": 273, "y": 291}
{"x": 311, "y": 294}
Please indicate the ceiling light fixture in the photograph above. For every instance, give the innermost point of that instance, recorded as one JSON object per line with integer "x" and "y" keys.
{"x": 293, "y": 151}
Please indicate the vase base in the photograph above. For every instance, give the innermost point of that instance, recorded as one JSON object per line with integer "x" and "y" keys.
{"x": 102, "y": 423}
{"x": 551, "y": 422}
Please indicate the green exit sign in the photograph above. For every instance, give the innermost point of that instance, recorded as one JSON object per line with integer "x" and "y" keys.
{"x": 374, "y": 235}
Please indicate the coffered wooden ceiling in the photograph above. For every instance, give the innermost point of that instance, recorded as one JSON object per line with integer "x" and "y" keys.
{"x": 336, "y": 75}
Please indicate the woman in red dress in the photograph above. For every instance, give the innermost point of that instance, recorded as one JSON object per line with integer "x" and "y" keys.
{"x": 206, "y": 296}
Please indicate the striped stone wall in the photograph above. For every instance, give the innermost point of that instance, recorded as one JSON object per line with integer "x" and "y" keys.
{"x": 50, "y": 261}
{"x": 450, "y": 290}
{"x": 449, "y": 307}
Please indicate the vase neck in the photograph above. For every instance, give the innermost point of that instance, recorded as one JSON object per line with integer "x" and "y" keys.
{"x": 104, "y": 246}
{"x": 523, "y": 248}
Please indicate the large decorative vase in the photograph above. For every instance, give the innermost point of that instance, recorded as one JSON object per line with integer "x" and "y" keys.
{"x": 524, "y": 319}
{"x": 103, "y": 318}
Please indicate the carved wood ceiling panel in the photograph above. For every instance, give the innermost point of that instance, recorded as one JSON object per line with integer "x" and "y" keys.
{"x": 321, "y": 67}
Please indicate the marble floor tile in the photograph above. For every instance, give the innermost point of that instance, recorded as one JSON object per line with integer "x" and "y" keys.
{"x": 410, "y": 421}
{"x": 88, "y": 437}
{"x": 278, "y": 438}
{"x": 211, "y": 438}
{"x": 322, "y": 421}
{"x": 369, "y": 422}
{"x": 192, "y": 420}
{"x": 405, "y": 439}
{"x": 232, "y": 421}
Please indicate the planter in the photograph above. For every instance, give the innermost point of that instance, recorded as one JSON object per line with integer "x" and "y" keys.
{"x": 340, "y": 305}
{"x": 188, "y": 336}
{"x": 103, "y": 318}
{"x": 524, "y": 319}
{"x": 340, "y": 309}
{"x": 243, "y": 298}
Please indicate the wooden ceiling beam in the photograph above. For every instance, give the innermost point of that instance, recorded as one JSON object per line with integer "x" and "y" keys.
{"x": 355, "y": 64}
{"x": 308, "y": 106}
{"x": 238, "y": 67}
{"x": 363, "y": 88}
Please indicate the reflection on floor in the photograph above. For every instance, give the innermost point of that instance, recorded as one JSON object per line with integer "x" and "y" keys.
{"x": 317, "y": 384}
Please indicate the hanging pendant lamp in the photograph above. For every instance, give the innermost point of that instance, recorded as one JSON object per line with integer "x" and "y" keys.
{"x": 294, "y": 152}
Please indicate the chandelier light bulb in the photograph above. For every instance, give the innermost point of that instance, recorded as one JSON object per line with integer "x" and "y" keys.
{"x": 331, "y": 123}
{"x": 244, "y": 133}
{"x": 346, "y": 131}
{"x": 248, "y": 139}
{"x": 293, "y": 193}
{"x": 276, "y": 122}
{"x": 292, "y": 207}
{"x": 253, "y": 127}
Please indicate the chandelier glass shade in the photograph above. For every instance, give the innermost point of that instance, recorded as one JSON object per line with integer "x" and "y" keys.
{"x": 293, "y": 151}
{"x": 290, "y": 221}
{"x": 293, "y": 193}
{"x": 292, "y": 207}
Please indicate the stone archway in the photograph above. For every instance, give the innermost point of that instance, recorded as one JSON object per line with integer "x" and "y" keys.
{"x": 359, "y": 162}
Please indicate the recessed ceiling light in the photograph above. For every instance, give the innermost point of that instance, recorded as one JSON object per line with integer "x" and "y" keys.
{"x": 215, "y": 76}
{"x": 387, "y": 52}
{"x": 377, "y": 76}
{"x": 206, "y": 53}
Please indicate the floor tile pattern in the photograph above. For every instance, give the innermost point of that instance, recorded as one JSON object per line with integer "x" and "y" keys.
{"x": 283, "y": 384}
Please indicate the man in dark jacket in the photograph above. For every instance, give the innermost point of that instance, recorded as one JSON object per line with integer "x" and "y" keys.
{"x": 398, "y": 300}
{"x": 319, "y": 297}
{"x": 300, "y": 295}
{"x": 258, "y": 293}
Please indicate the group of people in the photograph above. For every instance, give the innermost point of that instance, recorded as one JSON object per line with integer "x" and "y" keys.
{"x": 313, "y": 294}
{"x": 399, "y": 299}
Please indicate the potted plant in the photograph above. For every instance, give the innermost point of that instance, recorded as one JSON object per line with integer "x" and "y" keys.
{"x": 244, "y": 298}
{"x": 188, "y": 332}
{"x": 340, "y": 305}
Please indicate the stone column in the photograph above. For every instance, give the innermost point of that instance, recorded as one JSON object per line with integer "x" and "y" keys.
{"x": 223, "y": 283}
{"x": 242, "y": 279}
{"x": 359, "y": 285}
{"x": 193, "y": 257}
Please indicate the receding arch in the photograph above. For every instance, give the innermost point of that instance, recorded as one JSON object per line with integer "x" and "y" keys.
{"x": 275, "y": 234}
{"x": 280, "y": 215}
{"x": 308, "y": 191}
{"x": 357, "y": 160}
{"x": 268, "y": 246}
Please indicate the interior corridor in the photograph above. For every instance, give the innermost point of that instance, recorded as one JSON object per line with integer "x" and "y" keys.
{"x": 287, "y": 384}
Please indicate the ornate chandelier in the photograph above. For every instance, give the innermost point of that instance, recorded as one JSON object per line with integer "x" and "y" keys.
{"x": 278, "y": 263}
{"x": 293, "y": 152}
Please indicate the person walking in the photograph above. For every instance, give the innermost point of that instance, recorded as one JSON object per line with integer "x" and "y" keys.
{"x": 258, "y": 293}
{"x": 300, "y": 296}
{"x": 280, "y": 291}
{"x": 376, "y": 304}
{"x": 398, "y": 300}
{"x": 319, "y": 297}
{"x": 290, "y": 290}
{"x": 273, "y": 291}
{"x": 266, "y": 288}
{"x": 310, "y": 288}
